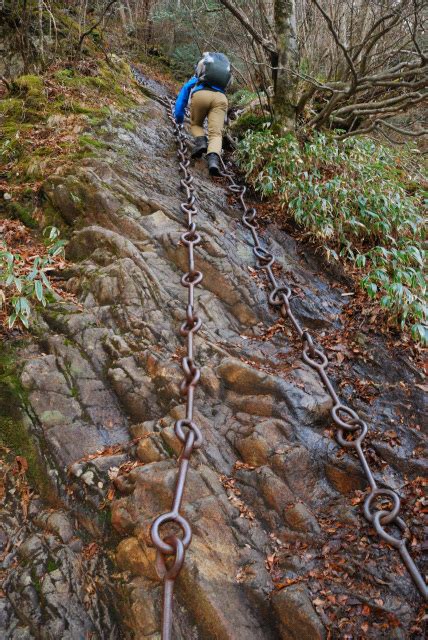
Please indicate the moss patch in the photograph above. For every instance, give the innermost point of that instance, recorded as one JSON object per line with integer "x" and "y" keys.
{"x": 13, "y": 430}
{"x": 109, "y": 82}
{"x": 86, "y": 140}
{"x": 19, "y": 212}
{"x": 51, "y": 565}
{"x": 36, "y": 582}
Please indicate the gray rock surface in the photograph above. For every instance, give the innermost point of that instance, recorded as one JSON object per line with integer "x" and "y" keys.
{"x": 267, "y": 493}
{"x": 50, "y": 573}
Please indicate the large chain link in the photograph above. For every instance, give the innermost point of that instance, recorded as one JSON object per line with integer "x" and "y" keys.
{"x": 382, "y": 505}
{"x": 172, "y": 548}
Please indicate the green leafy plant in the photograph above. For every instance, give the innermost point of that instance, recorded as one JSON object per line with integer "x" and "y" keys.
{"x": 242, "y": 97}
{"x": 357, "y": 200}
{"x": 251, "y": 120}
{"x": 23, "y": 285}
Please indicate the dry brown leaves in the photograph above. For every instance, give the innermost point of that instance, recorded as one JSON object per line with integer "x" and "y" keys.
{"x": 114, "y": 449}
{"x": 349, "y": 601}
{"x": 13, "y": 479}
{"x": 360, "y": 314}
{"x": 90, "y": 550}
{"x": 233, "y": 495}
{"x": 242, "y": 465}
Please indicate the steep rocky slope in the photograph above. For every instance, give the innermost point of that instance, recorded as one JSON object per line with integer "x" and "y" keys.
{"x": 280, "y": 547}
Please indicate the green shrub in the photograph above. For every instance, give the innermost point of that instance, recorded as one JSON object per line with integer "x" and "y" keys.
{"x": 242, "y": 97}
{"x": 250, "y": 121}
{"x": 22, "y": 287}
{"x": 359, "y": 203}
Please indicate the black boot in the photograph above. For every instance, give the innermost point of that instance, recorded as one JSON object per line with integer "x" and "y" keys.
{"x": 200, "y": 146}
{"x": 213, "y": 164}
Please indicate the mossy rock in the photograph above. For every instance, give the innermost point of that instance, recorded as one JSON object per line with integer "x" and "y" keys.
{"x": 64, "y": 75}
{"x": 14, "y": 429}
{"x": 33, "y": 89}
{"x": 27, "y": 102}
{"x": 108, "y": 82}
{"x": 11, "y": 148}
{"x": 12, "y": 107}
{"x": 31, "y": 83}
{"x": 66, "y": 20}
{"x": 53, "y": 218}
{"x": 51, "y": 565}
{"x": 129, "y": 126}
{"x": 18, "y": 211}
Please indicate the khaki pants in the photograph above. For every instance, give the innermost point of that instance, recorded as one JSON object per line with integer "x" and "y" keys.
{"x": 211, "y": 104}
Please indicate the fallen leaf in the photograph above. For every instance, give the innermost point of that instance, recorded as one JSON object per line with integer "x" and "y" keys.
{"x": 22, "y": 464}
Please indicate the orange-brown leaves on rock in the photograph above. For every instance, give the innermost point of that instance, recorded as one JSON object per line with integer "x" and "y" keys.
{"x": 242, "y": 465}
{"x": 22, "y": 464}
{"x": 110, "y": 494}
{"x": 90, "y": 551}
{"x": 19, "y": 471}
{"x": 233, "y": 495}
{"x": 288, "y": 582}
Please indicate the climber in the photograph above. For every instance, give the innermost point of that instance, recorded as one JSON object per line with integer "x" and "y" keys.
{"x": 206, "y": 89}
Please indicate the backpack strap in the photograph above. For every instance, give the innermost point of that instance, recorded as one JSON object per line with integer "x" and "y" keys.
{"x": 202, "y": 83}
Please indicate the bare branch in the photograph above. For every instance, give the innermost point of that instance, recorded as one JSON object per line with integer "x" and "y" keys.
{"x": 382, "y": 103}
{"x": 388, "y": 137}
{"x": 404, "y": 132}
{"x": 240, "y": 15}
{"x": 370, "y": 33}
{"x": 376, "y": 125}
{"x": 95, "y": 25}
{"x": 348, "y": 134}
{"x": 375, "y": 39}
{"x": 413, "y": 35}
{"x": 338, "y": 41}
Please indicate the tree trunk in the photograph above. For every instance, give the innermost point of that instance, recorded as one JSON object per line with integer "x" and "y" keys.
{"x": 41, "y": 43}
{"x": 286, "y": 62}
{"x": 130, "y": 16}
{"x": 123, "y": 17}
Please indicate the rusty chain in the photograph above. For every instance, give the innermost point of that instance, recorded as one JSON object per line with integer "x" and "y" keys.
{"x": 351, "y": 429}
{"x": 171, "y": 550}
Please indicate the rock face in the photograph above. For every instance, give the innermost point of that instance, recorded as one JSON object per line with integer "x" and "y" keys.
{"x": 280, "y": 548}
{"x": 49, "y": 573}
